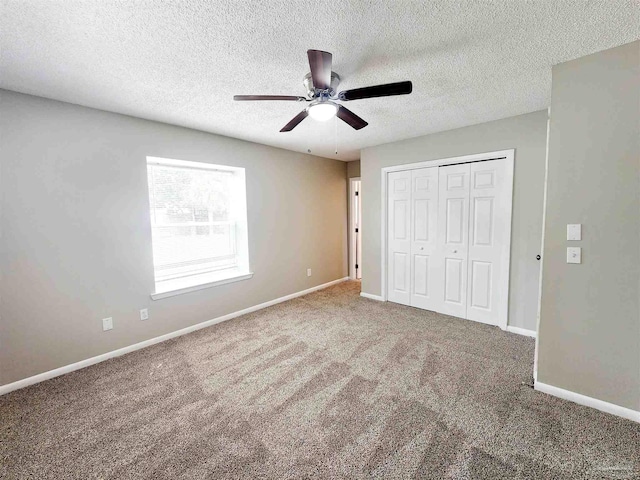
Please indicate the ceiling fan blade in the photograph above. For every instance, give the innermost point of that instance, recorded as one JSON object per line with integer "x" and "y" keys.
{"x": 291, "y": 98}
{"x": 351, "y": 118}
{"x": 386, "y": 90}
{"x": 320, "y": 63}
{"x": 295, "y": 121}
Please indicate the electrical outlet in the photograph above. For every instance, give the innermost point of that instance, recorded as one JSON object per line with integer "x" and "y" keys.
{"x": 308, "y": 272}
{"x": 144, "y": 314}
{"x": 107, "y": 324}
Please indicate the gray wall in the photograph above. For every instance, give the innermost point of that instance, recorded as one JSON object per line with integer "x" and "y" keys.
{"x": 590, "y": 317}
{"x": 76, "y": 244}
{"x": 353, "y": 169}
{"x": 527, "y": 134}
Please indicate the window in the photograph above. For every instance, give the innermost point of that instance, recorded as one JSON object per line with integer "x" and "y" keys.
{"x": 198, "y": 225}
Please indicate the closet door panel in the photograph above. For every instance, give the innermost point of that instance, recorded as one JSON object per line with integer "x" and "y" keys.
{"x": 424, "y": 203}
{"x": 455, "y": 213}
{"x": 453, "y": 274}
{"x": 421, "y": 282}
{"x": 453, "y": 238}
{"x": 399, "y": 237}
{"x": 489, "y": 230}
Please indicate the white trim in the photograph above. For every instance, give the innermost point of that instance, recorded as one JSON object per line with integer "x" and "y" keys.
{"x": 521, "y": 331}
{"x": 508, "y": 154}
{"x": 199, "y": 286}
{"x": 450, "y": 160}
{"x": 383, "y": 234}
{"x": 41, "y": 377}
{"x": 503, "y": 312}
{"x": 352, "y": 237}
{"x": 170, "y": 162}
{"x": 544, "y": 216}
{"x": 589, "y": 401}
{"x": 372, "y": 296}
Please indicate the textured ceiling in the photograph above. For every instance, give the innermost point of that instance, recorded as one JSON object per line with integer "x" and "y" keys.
{"x": 181, "y": 62}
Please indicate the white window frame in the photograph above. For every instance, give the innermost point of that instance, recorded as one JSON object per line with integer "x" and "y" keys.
{"x": 185, "y": 284}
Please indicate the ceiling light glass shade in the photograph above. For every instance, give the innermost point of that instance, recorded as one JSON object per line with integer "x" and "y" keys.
{"x": 323, "y": 111}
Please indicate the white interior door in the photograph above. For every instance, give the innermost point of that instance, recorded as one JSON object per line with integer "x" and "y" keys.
{"x": 399, "y": 237}
{"x": 453, "y": 237}
{"x": 355, "y": 230}
{"x": 489, "y": 241}
{"x": 426, "y": 290}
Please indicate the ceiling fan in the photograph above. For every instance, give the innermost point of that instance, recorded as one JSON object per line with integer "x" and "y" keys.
{"x": 321, "y": 84}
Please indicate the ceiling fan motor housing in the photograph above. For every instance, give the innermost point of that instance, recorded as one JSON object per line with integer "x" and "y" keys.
{"x": 312, "y": 92}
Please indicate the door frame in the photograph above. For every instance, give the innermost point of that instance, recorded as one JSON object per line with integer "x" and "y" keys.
{"x": 544, "y": 218}
{"x": 352, "y": 237}
{"x": 509, "y": 155}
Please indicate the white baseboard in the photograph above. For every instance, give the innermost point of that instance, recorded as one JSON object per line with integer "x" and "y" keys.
{"x": 521, "y": 331}
{"x": 589, "y": 401}
{"x": 41, "y": 377}
{"x": 372, "y": 297}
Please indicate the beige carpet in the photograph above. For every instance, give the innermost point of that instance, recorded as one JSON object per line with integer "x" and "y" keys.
{"x": 330, "y": 385}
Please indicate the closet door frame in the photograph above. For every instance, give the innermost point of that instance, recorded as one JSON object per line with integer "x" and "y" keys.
{"x": 509, "y": 155}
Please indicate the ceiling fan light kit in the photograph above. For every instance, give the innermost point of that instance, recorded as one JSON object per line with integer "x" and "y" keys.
{"x": 322, "y": 84}
{"x": 322, "y": 110}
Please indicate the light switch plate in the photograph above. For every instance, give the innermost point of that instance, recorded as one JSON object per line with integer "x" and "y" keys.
{"x": 144, "y": 314}
{"x": 107, "y": 324}
{"x": 574, "y": 255}
{"x": 574, "y": 231}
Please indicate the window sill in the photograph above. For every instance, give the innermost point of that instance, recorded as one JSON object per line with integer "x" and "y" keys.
{"x": 179, "y": 286}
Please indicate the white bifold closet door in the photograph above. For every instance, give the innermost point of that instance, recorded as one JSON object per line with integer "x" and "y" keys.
{"x": 449, "y": 239}
{"x": 412, "y": 240}
{"x": 453, "y": 237}
{"x": 399, "y": 239}
{"x": 425, "y": 287}
{"x": 490, "y": 198}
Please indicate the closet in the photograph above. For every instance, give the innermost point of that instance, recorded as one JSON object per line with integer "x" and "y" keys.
{"x": 448, "y": 239}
